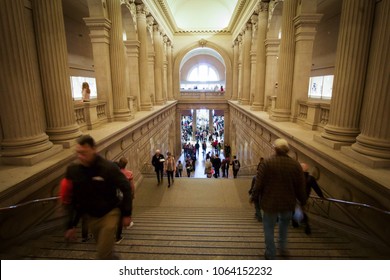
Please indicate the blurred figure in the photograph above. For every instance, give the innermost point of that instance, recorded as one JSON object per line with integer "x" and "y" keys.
{"x": 158, "y": 163}
{"x": 236, "y": 166}
{"x": 311, "y": 183}
{"x": 170, "y": 168}
{"x": 280, "y": 182}
{"x": 251, "y": 193}
{"x": 95, "y": 183}
{"x": 129, "y": 176}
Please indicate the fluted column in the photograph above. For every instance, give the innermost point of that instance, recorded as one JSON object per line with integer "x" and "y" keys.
{"x": 374, "y": 139}
{"x": 170, "y": 71}
{"x": 146, "y": 104}
{"x": 53, "y": 61}
{"x": 246, "y": 67}
{"x": 158, "y": 65}
{"x": 151, "y": 60}
{"x": 193, "y": 124}
{"x": 350, "y": 70}
{"x": 99, "y": 28}
{"x": 132, "y": 51}
{"x": 21, "y": 104}
{"x": 235, "y": 70}
{"x": 282, "y": 111}
{"x": 258, "y": 102}
{"x": 240, "y": 57}
{"x": 211, "y": 121}
{"x": 118, "y": 63}
{"x": 271, "y": 71}
{"x": 253, "y": 58}
{"x": 305, "y": 25}
{"x": 165, "y": 68}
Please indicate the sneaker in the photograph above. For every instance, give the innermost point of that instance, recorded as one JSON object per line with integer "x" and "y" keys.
{"x": 131, "y": 224}
{"x": 119, "y": 240}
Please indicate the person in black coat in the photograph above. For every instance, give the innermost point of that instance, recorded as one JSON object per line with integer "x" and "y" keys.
{"x": 311, "y": 183}
{"x": 158, "y": 163}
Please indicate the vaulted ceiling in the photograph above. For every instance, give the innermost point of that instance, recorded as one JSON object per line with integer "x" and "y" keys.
{"x": 195, "y": 16}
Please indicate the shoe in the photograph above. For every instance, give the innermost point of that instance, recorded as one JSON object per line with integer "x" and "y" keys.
{"x": 86, "y": 239}
{"x": 259, "y": 219}
{"x": 169, "y": 186}
{"x": 295, "y": 224}
{"x": 119, "y": 240}
{"x": 284, "y": 254}
{"x": 129, "y": 226}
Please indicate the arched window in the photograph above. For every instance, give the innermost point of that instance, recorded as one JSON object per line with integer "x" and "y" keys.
{"x": 203, "y": 73}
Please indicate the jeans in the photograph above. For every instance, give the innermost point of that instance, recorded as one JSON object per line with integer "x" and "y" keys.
{"x": 269, "y": 221}
{"x": 170, "y": 176}
{"x": 160, "y": 174}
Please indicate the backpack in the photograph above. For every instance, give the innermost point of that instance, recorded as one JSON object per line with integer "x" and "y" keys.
{"x": 236, "y": 164}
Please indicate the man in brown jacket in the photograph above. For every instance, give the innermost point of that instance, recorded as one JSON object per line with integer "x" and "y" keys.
{"x": 280, "y": 183}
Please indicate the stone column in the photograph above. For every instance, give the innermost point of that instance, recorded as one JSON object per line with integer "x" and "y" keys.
{"x": 146, "y": 104}
{"x": 158, "y": 65}
{"x": 258, "y": 102}
{"x": 53, "y": 61}
{"x": 271, "y": 70}
{"x": 118, "y": 63}
{"x": 374, "y": 139}
{"x": 305, "y": 25}
{"x": 246, "y": 65}
{"x": 165, "y": 68}
{"x": 226, "y": 132}
{"x": 151, "y": 60}
{"x": 235, "y": 70}
{"x": 253, "y": 58}
{"x": 282, "y": 111}
{"x": 350, "y": 71}
{"x": 132, "y": 51}
{"x": 100, "y": 38}
{"x": 22, "y": 116}
{"x": 193, "y": 124}
{"x": 211, "y": 121}
{"x": 170, "y": 71}
{"x": 240, "y": 56}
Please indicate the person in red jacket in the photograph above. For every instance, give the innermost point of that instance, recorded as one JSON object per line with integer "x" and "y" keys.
{"x": 129, "y": 176}
{"x": 66, "y": 192}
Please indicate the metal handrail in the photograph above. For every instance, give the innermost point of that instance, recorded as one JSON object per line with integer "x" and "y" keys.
{"x": 29, "y": 202}
{"x": 358, "y": 204}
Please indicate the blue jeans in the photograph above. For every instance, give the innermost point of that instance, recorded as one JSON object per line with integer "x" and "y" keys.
{"x": 269, "y": 221}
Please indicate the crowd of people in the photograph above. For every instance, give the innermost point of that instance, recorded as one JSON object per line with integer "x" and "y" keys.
{"x": 100, "y": 192}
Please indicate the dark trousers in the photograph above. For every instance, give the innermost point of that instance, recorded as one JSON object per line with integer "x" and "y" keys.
{"x": 235, "y": 172}
{"x": 160, "y": 174}
{"x": 170, "y": 176}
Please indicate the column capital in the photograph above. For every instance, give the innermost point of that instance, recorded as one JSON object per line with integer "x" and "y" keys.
{"x": 99, "y": 28}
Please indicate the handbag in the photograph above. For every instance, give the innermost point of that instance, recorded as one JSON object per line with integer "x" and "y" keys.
{"x": 298, "y": 213}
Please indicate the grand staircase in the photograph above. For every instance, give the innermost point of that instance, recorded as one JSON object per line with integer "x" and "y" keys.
{"x": 198, "y": 219}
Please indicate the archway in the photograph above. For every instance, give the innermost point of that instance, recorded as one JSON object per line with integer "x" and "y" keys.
{"x": 213, "y": 50}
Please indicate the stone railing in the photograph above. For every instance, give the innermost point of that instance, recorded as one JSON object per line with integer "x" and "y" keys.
{"x": 313, "y": 115}
{"x": 90, "y": 115}
{"x": 202, "y": 94}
